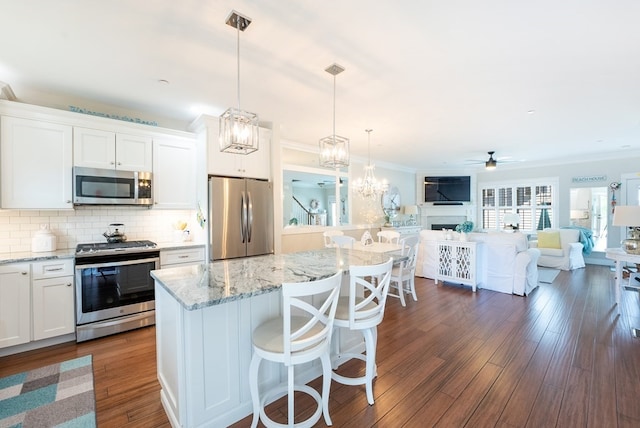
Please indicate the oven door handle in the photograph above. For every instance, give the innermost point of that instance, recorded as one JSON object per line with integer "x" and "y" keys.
{"x": 118, "y": 263}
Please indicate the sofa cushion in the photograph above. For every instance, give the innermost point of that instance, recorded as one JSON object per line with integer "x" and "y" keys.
{"x": 547, "y": 239}
{"x": 551, "y": 252}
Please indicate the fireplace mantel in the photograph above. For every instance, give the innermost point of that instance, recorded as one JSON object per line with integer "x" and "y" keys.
{"x": 447, "y": 214}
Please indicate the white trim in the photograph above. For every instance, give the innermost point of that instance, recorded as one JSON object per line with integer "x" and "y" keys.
{"x": 6, "y": 92}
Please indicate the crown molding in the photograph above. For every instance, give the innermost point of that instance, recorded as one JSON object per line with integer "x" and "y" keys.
{"x": 6, "y": 92}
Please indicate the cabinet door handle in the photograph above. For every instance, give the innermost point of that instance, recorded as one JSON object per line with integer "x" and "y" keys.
{"x": 24, "y": 273}
{"x": 119, "y": 163}
{"x": 69, "y": 285}
{"x": 112, "y": 163}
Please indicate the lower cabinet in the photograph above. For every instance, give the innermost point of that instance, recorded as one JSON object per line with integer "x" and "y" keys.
{"x": 15, "y": 304}
{"x": 52, "y": 299}
{"x": 181, "y": 257}
{"x": 36, "y": 301}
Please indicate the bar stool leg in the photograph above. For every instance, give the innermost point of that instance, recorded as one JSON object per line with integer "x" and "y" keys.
{"x": 370, "y": 370}
{"x": 253, "y": 386}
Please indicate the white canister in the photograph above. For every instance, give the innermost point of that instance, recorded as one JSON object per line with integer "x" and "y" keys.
{"x": 44, "y": 241}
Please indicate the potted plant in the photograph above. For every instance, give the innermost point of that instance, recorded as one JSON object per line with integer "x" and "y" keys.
{"x": 464, "y": 228}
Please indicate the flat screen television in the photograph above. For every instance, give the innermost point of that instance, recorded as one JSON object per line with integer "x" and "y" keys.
{"x": 447, "y": 189}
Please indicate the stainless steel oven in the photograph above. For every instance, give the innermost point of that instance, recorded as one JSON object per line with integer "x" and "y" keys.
{"x": 114, "y": 288}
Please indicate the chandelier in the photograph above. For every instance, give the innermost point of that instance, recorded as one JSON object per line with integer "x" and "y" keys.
{"x": 369, "y": 187}
{"x": 238, "y": 129}
{"x": 334, "y": 150}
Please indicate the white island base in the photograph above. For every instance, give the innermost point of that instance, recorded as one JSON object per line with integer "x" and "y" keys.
{"x": 204, "y": 355}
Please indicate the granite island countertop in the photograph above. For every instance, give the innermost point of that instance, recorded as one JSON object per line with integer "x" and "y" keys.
{"x": 200, "y": 286}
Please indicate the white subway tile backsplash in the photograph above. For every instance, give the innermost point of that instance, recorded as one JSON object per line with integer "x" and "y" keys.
{"x": 87, "y": 224}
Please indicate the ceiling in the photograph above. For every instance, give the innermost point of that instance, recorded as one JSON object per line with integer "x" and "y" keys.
{"x": 440, "y": 83}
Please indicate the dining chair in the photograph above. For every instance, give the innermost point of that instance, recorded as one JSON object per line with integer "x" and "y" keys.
{"x": 327, "y": 237}
{"x": 390, "y": 236}
{"x": 362, "y": 311}
{"x": 343, "y": 241}
{"x": 301, "y": 335}
{"x": 403, "y": 275}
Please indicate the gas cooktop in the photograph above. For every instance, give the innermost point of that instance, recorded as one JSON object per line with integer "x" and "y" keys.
{"x": 113, "y": 247}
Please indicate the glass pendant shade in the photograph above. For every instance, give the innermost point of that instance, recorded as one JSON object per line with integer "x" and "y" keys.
{"x": 334, "y": 149}
{"x": 239, "y": 129}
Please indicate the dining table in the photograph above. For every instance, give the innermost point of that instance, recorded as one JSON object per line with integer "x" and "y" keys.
{"x": 378, "y": 247}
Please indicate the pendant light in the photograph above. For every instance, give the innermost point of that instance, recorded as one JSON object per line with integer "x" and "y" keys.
{"x": 238, "y": 129}
{"x": 334, "y": 150}
{"x": 369, "y": 187}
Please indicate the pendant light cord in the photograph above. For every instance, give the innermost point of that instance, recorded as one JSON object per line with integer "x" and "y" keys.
{"x": 368, "y": 131}
{"x": 238, "y": 56}
{"x": 334, "y": 109}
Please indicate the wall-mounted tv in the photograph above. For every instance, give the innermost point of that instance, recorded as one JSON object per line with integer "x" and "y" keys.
{"x": 447, "y": 189}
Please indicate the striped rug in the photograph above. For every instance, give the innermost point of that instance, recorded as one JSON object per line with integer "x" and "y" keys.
{"x": 59, "y": 395}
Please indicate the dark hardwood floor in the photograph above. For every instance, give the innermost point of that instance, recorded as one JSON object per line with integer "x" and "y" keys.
{"x": 562, "y": 357}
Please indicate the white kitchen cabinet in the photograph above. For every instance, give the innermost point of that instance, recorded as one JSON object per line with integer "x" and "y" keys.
{"x": 36, "y": 164}
{"x": 15, "y": 304}
{"x": 94, "y": 148}
{"x": 253, "y": 165}
{"x": 52, "y": 298}
{"x": 181, "y": 257}
{"x": 458, "y": 262}
{"x": 174, "y": 173}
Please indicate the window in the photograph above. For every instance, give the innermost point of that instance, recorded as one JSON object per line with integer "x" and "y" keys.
{"x": 534, "y": 202}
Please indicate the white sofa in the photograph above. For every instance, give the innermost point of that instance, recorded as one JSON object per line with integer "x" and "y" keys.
{"x": 568, "y": 256}
{"x": 508, "y": 265}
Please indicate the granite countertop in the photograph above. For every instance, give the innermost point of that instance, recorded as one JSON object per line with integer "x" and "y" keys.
{"x": 203, "y": 285}
{"x": 28, "y": 256}
{"x": 70, "y": 253}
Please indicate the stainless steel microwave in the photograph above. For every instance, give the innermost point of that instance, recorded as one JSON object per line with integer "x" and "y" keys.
{"x": 95, "y": 186}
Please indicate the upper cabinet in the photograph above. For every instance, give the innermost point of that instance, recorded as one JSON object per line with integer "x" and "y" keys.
{"x": 253, "y": 165}
{"x": 95, "y": 148}
{"x": 36, "y": 159}
{"x": 174, "y": 173}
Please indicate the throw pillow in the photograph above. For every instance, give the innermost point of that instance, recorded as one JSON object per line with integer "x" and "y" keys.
{"x": 549, "y": 240}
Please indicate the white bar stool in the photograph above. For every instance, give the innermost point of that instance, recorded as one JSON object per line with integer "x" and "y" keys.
{"x": 363, "y": 313}
{"x": 302, "y": 334}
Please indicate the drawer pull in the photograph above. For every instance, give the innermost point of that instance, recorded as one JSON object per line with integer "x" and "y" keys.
{"x": 52, "y": 269}
{"x": 24, "y": 273}
{"x": 183, "y": 257}
{"x": 69, "y": 285}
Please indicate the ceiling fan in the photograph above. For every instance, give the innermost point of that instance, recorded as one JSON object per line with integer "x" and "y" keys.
{"x": 491, "y": 163}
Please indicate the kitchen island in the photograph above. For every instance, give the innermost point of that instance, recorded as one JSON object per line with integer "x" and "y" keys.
{"x": 205, "y": 315}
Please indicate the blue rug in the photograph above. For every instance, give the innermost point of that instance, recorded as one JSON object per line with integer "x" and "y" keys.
{"x": 547, "y": 275}
{"x": 59, "y": 395}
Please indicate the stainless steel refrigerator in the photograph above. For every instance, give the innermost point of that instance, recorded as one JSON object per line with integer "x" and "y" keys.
{"x": 240, "y": 217}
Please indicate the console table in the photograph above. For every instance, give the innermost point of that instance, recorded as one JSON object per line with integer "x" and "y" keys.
{"x": 620, "y": 257}
{"x": 458, "y": 262}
